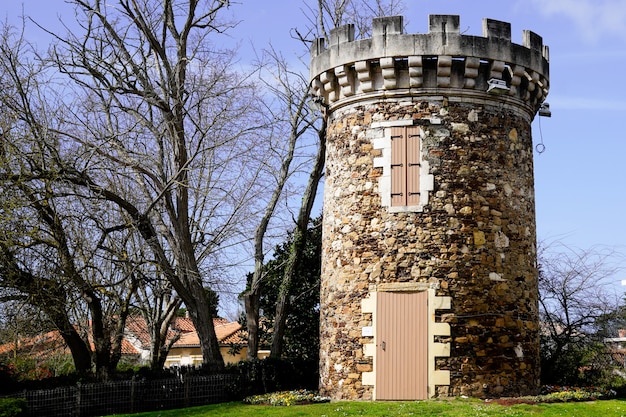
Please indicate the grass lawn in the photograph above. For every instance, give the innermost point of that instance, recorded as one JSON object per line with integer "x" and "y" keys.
{"x": 453, "y": 408}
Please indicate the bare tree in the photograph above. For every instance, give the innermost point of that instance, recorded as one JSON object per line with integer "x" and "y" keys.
{"x": 48, "y": 255}
{"x": 157, "y": 126}
{"x": 298, "y": 243}
{"x": 48, "y": 268}
{"x": 292, "y": 121}
{"x": 295, "y": 104}
{"x": 49, "y": 296}
{"x": 329, "y": 14}
{"x": 171, "y": 135}
{"x": 158, "y": 304}
{"x": 146, "y": 125}
{"x": 576, "y": 292}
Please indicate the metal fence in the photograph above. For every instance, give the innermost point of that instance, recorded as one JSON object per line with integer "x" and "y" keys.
{"x": 100, "y": 399}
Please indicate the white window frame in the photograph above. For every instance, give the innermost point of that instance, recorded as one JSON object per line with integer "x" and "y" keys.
{"x": 426, "y": 180}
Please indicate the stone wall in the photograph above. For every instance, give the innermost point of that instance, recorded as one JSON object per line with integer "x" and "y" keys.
{"x": 475, "y": 239}
{"x": 472, "y": 237}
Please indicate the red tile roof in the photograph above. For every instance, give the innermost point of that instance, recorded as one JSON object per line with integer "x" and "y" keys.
{"x": 226, "y": 332}
{"x": 42, "y": 346}
{"x": 184, "y": 324}
{"x": 136, "y": 325}
{"x": 128, "y": 349}
{"x": 51, "y": 342}
{"x": 240, "y": 337}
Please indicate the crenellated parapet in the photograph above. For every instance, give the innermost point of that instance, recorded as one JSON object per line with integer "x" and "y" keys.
{"x": 393, "y": 63}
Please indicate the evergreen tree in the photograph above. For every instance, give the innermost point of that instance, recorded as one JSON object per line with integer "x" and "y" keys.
{"x": 301, "y": 337}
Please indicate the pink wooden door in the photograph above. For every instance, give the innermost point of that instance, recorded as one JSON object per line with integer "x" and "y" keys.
{"x": 402, "y": 346}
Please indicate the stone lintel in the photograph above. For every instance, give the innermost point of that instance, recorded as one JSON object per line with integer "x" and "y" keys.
{"x": 403, "y": 286}
{"x": 392, "y": 123}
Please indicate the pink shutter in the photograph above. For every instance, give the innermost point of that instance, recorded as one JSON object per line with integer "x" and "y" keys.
{"x": 398, "y": 167}
{"x": 413, "y": 166}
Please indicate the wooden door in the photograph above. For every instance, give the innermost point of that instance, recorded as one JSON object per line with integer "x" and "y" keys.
{"x": 402, "y": 346}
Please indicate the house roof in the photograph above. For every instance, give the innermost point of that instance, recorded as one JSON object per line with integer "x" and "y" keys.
{"x": 43, "y": 345}
{"x": 184, "y": 324}
{"x": 227, "y": 333}
{"x": 51, "y": 343}
{"x": 128, "y": 348}
{"x": 240, "y": 337}
{"x": 136, "y": 326}
{"x": 136, "y": 330}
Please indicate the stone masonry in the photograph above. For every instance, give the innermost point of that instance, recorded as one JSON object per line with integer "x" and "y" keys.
{"x": 470, "y": 241}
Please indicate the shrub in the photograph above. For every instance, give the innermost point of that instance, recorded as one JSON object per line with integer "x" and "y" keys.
{"x": 553, "y": 393}
{"x": 286, "y": 398}
{"x": 582, "y": 365}
{"x": 12, "y": 407}
{"x": 275, "y": 374}
{"x": 8, "y": 381}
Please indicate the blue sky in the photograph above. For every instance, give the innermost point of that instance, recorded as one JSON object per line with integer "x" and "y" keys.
{"x": 580, "y": 178}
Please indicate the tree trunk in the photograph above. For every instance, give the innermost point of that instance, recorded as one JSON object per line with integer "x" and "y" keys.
{"x": 118, "y": 334}
{"x": 81, "y": 355}
{"x": 202, "y": 318}
{"x": 101, "y": 338}
{"x": 299, "y": 240}
{"x": 282, "y": 304}
{"x": 251, "y": 305}
{"x": 51, "y": 298}
{"x": 253, "y": 294}
{"x": 194, "y": 295}
{"x": 159, "y": 324}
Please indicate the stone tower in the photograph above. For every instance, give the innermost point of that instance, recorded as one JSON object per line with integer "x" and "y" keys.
{"x": 429, "y": 276}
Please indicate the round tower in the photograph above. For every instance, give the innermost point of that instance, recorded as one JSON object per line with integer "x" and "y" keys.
{"x": 429, "y": 275}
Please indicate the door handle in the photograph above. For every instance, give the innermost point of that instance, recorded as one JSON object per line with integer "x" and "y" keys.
{"x": 383, "y": 345}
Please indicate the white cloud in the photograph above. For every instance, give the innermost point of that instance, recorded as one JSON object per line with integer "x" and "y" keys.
{"x": 594, "y": 19}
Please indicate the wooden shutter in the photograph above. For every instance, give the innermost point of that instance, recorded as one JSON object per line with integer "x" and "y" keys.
{"x": 398, "y": 166}
{"x": 413, "y": 140}
{"x": 405, "y": 166}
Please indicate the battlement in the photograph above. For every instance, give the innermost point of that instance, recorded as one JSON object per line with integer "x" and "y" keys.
{"x": 442, "y": 58}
